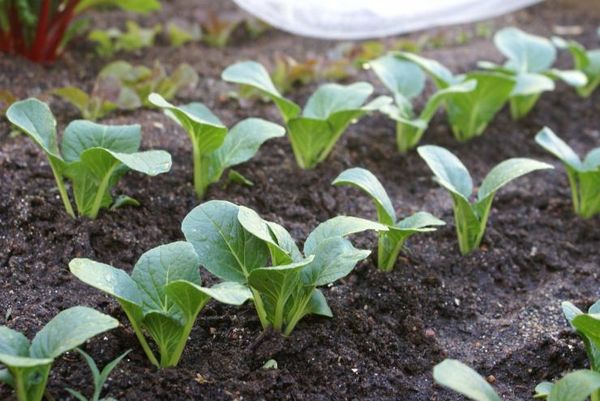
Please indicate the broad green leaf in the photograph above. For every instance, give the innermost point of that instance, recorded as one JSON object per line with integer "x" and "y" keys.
{"x": 333, "y": 98}
{"x": 449, "y": 171}
{"x": 75, "y": 96}
{"x": 589, "y": 326}
{"x": 573, "y": 78}
{"x": 570, "y": 311}
{"x": 442, "y": 95}
{"x": 575, "y": 386}
{"x": 22, "y": 362}
{"x": 255, "y": 225}
{"x": 542, "y": 390}
{"x": 531, "y": 84}
{"x": 285, "y": 241}
{"x": 255, "y": 75}
{"x": 318, "y": 305}
{"x": 309, "y": 137}
{"x": 81, "y": 135}
{"x": 592, "y": 160}
{"x": 13, "y": 343}
{"x": 459, "y": 377}
{"x": 547, "y": 139}
{"x": 525, "y": 52}
{"x": 224, "y": 247}
{"x": 420, "y": 221}
{"x": 403, "y": 78}
{"x": 69, "y": 329}
{"x": 367, "y": 182}
{"x": 440, "y": 74}
{"x": 507, "y": 171}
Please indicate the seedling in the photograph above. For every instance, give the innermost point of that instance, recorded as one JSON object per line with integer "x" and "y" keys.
{"x": 181, "y": 32}
{"x": 98, "y": 376}
{"x": 217, "y": 28}
{"x": 314, "y": 131}
{"x": 40, "y": 30}
{"x": 162, "y": 297}
{"x": 530, "y": 61}
{"x": 112, "y": 40}
{"x": 584, "y": 177}
{"x": 28, "y": 364}
{"x": 235, "y": 244}
{"x": 94, "y": 157}
{"x": 585, "y": 61}
{"x": 575, "y": 386}
{"x": 214, "y": 148}
{"x": 469, "y": 112}
{"x": 406, "y": 81}
{"x": 289, "y": 72}
{"x": 471, "y": 218}
{"x": 390, "y": 242}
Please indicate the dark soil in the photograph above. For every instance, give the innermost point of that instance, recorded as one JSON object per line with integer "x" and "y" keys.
{"x": 497, "y": 309}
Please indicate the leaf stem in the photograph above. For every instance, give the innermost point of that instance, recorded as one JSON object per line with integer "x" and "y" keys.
{"x": 62, "y": 190}
{"x": 100, "y": 193}
{"x": 199, "y": 180}
{"x": 260, "y": 309}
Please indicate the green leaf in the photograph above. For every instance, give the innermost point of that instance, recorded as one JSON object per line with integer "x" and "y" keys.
{"x": 507, "y": 171}
{"x": 525, "y": 52}
{"x": 531, "y": 84}
{"x": 448, "y": 170}
{"x": 238, "y": 178}
{"x": 309, "y": 137}
{"x": 81, "y": 135}
{"x": 333, "y": 98}
{"x": 542, "y": 390}
{"x": 140, "y": 6}
{"x": 318, "y": 305}
{"x": 258, "y": 227}
{"x": 570, "y": 311}
{"x": 124, "y": 200}
{"x": 575, "y": 386}
{"x": 403, "y": 78}
{"x": 440, "y": 74}
{"x": 547, "y": 139}
{"x": 459, "y": 377}
{"x": 589, "y": 326}
{"x": 419, "y": 222}
{"x": 13, "y": 343}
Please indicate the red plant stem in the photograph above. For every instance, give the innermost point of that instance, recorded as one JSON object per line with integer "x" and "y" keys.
{"x": 61, "y": 23}
{"x": 17, "y": 43}
{"x": 40, "y": 35}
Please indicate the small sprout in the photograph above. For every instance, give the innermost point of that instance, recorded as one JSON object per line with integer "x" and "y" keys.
{"x": 471, "y": 218}
{"x": 469, "y": 111}
{"x": 584, "y": 176}
{"x": 390, "y": 242}
{"x": 112, "y": 40}
{"x": 406, "y": 81}
{"x": 162, "y": 297}
{"x": 217, "y": 28}
{"x": 314, "y": 131}
{"x": 585, "y": 61}
{"x": 28, "y": 364}
{"x": 181, "y": 32}
{"x": 237, "y": 177}
{"x": 270, "y": 364}
{"x": 530, "y": 61}
{"x": 235, "y": 244}
{"x": 214, "y": 147}
{"x": 256, "y": 27}
{"x": 94, "y": 157}
{"x": 99, "y": 377}
{"x": 289, "y": 72}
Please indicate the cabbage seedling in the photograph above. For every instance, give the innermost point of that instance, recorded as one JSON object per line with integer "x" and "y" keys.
{"x": 94, "y": 157}
{"x": 162, "y": 297}
{"x": 585, "y": 61}
{"x": 451, "y": 174}
{"x": 28, "y": 364}
{"x": 529, "y": 61}
{"x": 235, "y": 244}
{"x": 214, "y": 148}
{"x": 406, "y": 81}
{"x": 390, "y": 242}
{"x": 584, "y": 177}
{"x": 455, "y": 375}
{"x": 313, "y": 131}
{"x": 469, "y": 112}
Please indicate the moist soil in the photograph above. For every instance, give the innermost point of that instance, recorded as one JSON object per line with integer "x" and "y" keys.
{"x": 497, "y": 309}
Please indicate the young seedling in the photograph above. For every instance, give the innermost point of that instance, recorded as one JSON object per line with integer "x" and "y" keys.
{"x": 94, "y": 157}
{"x": 236, "y": 244}
{"x": 181, "y": 31}
{"x": 471, "y": 218}
{"x": 215, "y": 149}
{"x": 391, "y": 242}
{"x": 217, "y": 28}
{"x": 28, "y": 364}
{"x": 113, "y": 40}
{"x": 162, "y": 297}
{"x": 584, "y": 177}
{"x": 406, "y": 81}
{"x": 530, "y": 61}
{"x": 456, "y": 376}
{"x": 585, "y": 61}
{"x": 314, "y": 131}
{"x": 98, "y": 376}
{"x": 469, "y": 112}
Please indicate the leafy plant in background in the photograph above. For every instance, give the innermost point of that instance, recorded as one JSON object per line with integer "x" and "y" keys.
{"x": 314, "y": 131}
{"x": 456, "y": 376}
{"x": 585, "y": 61}
{"x": 6, "y": 99}
{"x": 217, "y": 28}
{"x": 98, "y": 376}
{"x": 390, "y": 242}
{"x": 469, "y": 112}
{"x": 28, "y": 364}
{"x": 235, "y": 244}
{"x": 530, "y": 61}
{"x": 113, "y": 40}
{"x": 214, "y": 148}
{"x": 584, "y": 177}
{"x": 40, "y": 29}
{"x": 94, "y": 157}
{"x": 162, "y": 297}
{"x": 452, "y": 175}
{"x": 180, "y": 32}
{"x": 406, "y": 81}
{"x": 288, "y": 72}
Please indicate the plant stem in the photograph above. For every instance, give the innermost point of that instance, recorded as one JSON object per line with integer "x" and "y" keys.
{"x": 37, "y": 47}
{"x": 298, "y": 314}
{"x": 200, "y": 184}
{"x": 62, "y": 190}
{"x": 260, "y": 309}
{"x": 387, "y": 260}
{"x": 141, "y": 338}
{"x": 100, "y": 193}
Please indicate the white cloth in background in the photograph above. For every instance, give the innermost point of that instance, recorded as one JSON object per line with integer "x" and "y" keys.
{"x": 362, "y": 19}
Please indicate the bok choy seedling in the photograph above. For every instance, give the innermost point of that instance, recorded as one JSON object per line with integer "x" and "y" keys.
{"x": 585, "y": 61}
{"x": 235, "y": 244}
{"x": 469, "y": 112}
{"x": 452, "y": 175}
{"x": 529, "y": 60}
{"x": 313, "y": 131}
{"x": 94, "y": 157}
{"x": 162, "y": 297}
{"x": 28, "y": 364}
{"x": 406, "y": 81}
{"x": 584, "y": 176}
{"x": 390, "y": 242}
{"x": 214, "y": 148}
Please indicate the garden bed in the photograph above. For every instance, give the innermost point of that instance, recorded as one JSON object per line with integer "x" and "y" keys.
{"x": 497, "y": 309}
